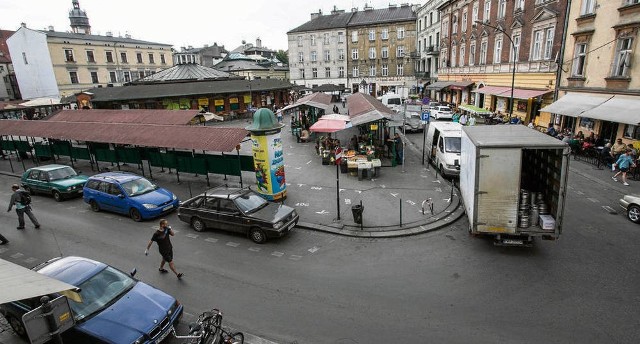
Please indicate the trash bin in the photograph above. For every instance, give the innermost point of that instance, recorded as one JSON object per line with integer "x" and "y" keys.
{"x": 357, "y": 213}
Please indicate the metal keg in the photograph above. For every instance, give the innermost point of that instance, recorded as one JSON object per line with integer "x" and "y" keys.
{"x": 524, "y": 220}
{"x": 535, "y": 216}
{"x": 543, "y": 209}
{"x": 534, "y": 198}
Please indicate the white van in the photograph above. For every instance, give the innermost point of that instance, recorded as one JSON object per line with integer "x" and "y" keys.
{"x": 392, "y": 101}
{"x": 443, "y": 147}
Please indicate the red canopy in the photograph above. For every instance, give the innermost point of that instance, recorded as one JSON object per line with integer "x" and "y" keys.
{"x": 328, "y": 126}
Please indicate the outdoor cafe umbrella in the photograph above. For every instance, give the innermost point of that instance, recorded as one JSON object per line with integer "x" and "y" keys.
{"x": 329, "y": 125}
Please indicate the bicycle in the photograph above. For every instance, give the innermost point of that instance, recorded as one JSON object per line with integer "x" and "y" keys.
{"x": 208, "y": 330}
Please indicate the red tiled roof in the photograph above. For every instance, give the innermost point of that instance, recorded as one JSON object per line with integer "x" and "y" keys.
{"x": 5, "y": 57}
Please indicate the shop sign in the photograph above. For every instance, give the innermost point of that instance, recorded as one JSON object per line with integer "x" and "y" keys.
{"x": 247, "y": 99}
{"x": 203, "y": 101}
{"x": 522, "y": 106}
{"x": 374, "y": 127}
{"x": 233, "y": 100}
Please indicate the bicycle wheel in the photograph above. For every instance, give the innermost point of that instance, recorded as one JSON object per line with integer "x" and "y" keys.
{"x": 235, "y": 338}
{"x": 213, "y": 337}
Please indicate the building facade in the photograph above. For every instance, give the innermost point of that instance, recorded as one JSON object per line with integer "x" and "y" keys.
{"x": 600, "y": 85}
{"x": 9, "y": 87}
{"x": 207, "y": 56}
{"x": 428, "y": 27}
{"x": 48, "y": 63}
{"x": 491, "y": 45}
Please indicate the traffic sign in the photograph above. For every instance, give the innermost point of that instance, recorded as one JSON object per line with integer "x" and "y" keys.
{"x": 425, "y": 117}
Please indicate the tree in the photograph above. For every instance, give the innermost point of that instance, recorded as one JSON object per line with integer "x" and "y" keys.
{"x": 283, "y": 56}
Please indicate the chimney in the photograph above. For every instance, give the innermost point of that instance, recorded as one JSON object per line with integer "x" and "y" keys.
{"x": 404, "y": 5}
{"x": 316, "y": 15}
{"x": 368, "y": 8}
{"x": 109, "y": 34}
{"x": 23, "y": 24}
{"x": 127, "y": 35}
{"x": 190, "y": 47}
{"x": 354, "y": 9}
{"x": 206, "y": 45}
{"x": 51, "y": 28}
{"x": 393, "y": 6}
{"x": 258, "y": 42}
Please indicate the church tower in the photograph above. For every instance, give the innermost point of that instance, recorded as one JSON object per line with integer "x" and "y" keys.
{"x": 79, "y": 20}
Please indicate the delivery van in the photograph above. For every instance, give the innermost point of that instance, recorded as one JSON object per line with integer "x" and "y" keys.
{"x": 443, "y": 147}
{"x": 392, "y": 101}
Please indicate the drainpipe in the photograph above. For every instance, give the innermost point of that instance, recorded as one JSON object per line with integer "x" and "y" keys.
{"x": 561, "y": 57}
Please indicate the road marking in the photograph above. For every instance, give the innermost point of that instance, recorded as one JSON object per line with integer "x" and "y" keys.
{"x": 323, "y": 212}
{"x": 314, "y": 249}
{"x": 308, "y": 162}
{"x": 301, "y": 185}
{"x": 233, "y": 244}
{"x": 295, "y": 257}
{"x": 298, "y": 168}
{"x": 82, "y": 211}
{"x": 211, "y": 240}
{"x": 358, "y": 191}
{"x": 383, "y": 186}
{"x": 71, "y": 207}
{"x": 340, "y": 190}
{"x": 30, "y": 260}
{"x": 438, "y": 189}
{"x": 609, "y": 210}
{"x": 347, "y": 201}
{"x": 411, "y": 202}
{"x": 17, "y": 255}
{"x": 3, "y": 250}
{"x": 594, "y": 200}
{"x": 316, "y": 188}
{"x": 393, "y": 194}
{"x": 192, "y": 236}
{"x": 302, "y": 204}
{"x": 580, "y": 192}
{"x": 277, "y": 254}
{"x": 255, "y": 249}
{"x": 436, "y": 181}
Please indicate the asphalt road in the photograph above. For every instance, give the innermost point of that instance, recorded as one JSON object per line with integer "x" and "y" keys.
{"x": 310, "y": 287}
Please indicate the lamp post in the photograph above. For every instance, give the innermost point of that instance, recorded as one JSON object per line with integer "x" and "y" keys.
{"x": 513, "y": 69}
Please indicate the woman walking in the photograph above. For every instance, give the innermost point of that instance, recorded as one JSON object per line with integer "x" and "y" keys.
{"x": 623, "y": 163}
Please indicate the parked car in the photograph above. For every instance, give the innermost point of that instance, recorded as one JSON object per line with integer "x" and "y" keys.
{"x": 441, "y": 111}
{"x": 113, "y": 306}
{"x": 631, "y": 204}
{"x": 238, "y": 210}
{"x": 60, "y": 181}
{"x": 129, "y": 194}
{"x": 413, "y": 122}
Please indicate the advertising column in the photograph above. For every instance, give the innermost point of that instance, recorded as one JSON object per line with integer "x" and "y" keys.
{"x": 268, "y": 160}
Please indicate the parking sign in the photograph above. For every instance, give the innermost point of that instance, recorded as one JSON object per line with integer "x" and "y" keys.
{"x": 425, "y": 117}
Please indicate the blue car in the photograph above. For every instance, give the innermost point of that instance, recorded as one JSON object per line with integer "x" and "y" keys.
{"x": 114, "y": 307}
{"x": 128, "y": 194}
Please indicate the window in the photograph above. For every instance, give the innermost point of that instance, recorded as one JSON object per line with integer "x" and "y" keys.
{"x": 462, "y": 53}
{"x": 372, "y": 53}
{"x": 68, "y": 55}
{"x": 327, "y": 55}
{"x": 454, "y": 28}
{"x": 301, "y": 71}
{"x": 372, "y": 35}
{"x": 519, "y": 5}
{"x": 123, "y": 57}
{"x": 502, "y": 8}
{"x": 162, "y": 60}
{"x": 579, "y": 59}
{"x": 445, "y": 28}
{"x": 400, "y": 30}
{"x": 472, "y": 54}
{"x": 127, "y": 76}
{"x": 631, "y": 132}
{"x": 299, "y": 41}
{"x": 400, "y": 52}
{"x": 314, "y": 56}
{"x": 139, "y": 57}
{"x": 354, "y": 36}
{"x": 327, "y": 72}
{"x": 548, "y": 45}
{"x": 631, "y": 2}
{"x": 483, "y": 52}
{"x": 622, "y": 57}
{"x": 313, "y": 39}
{"x": 454, "y": 58}
{"x": 372, "y": 70}
{"x": 73, "y": 76}
{"x": 385, "y": 52}
{"x": 141, "y": 74}
{"x": 384, "y": 34}
{"x": 515, "y": 50}
{"x": 497, "y": 49}
{"x": 341, "y": 72}
{"x": 588, "y": 6}
{"x": 474, "y": 13}
{"x": 314, "y": 73}
{"x": 109, "y": 56}
{"x": 536, "y": 52}
{"x": 354, "y": 54}
{"x": 300, "y": 56}
{"x": 399, "y": 70}
{"x": 430, "y": 18}
{"x": 341, "y": 54}
{"x": 94, "y": 78}
{"x": 464, "y": 21}
{"x": 340, "y": 37}
{"x": 385, "y": 70}
{"x": 90, "y": 57}
{"x": 151, "y": 60}
{"x": 325, "y": 39}
{"x": 487, "y": 11}
{"x": 356, "y": 72}
{"x": 112, "y": 77}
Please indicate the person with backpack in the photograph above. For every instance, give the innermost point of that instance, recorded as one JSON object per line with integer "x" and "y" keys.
{"x": 22, "y": 200}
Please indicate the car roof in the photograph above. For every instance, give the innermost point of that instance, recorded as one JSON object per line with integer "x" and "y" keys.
{"x": 120, "y": 177}
{"x": 50, "y": 167}
{"x": 226, "y": 192}
{"x": 72, "y": 270}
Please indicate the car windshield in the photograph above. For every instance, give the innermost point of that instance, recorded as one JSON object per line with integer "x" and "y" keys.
{"x": 250, "y": 202}
{"x": 394, "y": 101}
{"x": 62, "y": 173}
{"x": 100, "y": 291}
{"x": 452, "y": 144}
{"x": 444, "y": 109}
{"x": 138, "y": 187}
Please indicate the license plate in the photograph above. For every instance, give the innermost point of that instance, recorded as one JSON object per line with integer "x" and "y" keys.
{"x": 164, "y": 335}
{"x": 167, "y": 207}
{"x": 513, "y": 242}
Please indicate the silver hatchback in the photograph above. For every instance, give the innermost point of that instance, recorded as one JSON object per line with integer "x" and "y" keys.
{"x": 631, "y": 204}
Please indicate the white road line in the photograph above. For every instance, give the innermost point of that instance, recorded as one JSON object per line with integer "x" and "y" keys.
{"x": 393, "y": 194}
{"x": 609, "y": 210}
{"x": 580, "y": 192}
{"x": 323, "y": 212}
{"x": 233, "y": 244}
{"x": 308, "y": 162}
{"x": 439, "y": 189}
{"x": 192, "y": 236}
{"x": 295, "y": 257}
{"x": 30, "y": 260}
{"x": 255, "y": 249}
{"x": 277, "y": 254}
{"x": 3, "y": 250}
{"x": 313, "y": 249}
{"x": 594, "y": 200}
{"x": 347, "y": 201}
{"x": 211, "y": 240}
{"x": 17, "y": 255}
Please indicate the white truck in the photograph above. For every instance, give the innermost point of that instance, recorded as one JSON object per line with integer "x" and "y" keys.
{"x": 513, "y": 183}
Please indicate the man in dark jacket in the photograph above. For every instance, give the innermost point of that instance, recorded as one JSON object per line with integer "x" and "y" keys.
{"x": 21, "y": 209}
{"x": 162, "y": 237}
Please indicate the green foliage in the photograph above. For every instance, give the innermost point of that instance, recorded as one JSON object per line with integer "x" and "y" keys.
{"x": 283, "y": 56}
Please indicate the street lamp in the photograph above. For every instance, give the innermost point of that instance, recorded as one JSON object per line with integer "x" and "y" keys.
{"x": 513, "y": 69}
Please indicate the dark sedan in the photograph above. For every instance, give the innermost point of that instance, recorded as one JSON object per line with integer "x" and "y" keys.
{"x": 238, "y": 210}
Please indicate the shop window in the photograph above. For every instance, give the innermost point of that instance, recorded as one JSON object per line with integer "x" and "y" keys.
{"x": 631, "y": 132}
{"x": 587, "y": 123}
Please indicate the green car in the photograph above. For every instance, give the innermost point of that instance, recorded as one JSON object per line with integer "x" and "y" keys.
{"x": 60, "y": 181}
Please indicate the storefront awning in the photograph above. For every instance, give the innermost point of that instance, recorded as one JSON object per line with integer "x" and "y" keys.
{"x": 438, "y": 85}
{"x": 618, "y": 109}
{"x": 574, "y": 104}
{"x": 518, "y": 93}
{"x": 19, "y": 283}
{"x": 317, "y": 100}
{"x": 460, "y": 85}
{"x": 474, "y": 109}
{"x": 492, "y": 90}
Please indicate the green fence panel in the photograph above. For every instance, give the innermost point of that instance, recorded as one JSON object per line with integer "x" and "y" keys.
{"x": 246, "y": 163}
{"x": 128, "y": 154}
{"x": 22, "y": 146}
{"x": 62, "y": 148}
{"x": 227, "y": 164}
{"x": 192, "y": 165}
{"x": 169, "y": 160}
{"x": 106, "y": 155}
{"x": 154, "y": 157}
{"x": 80, "y": 153}
{"x": 8, "y": 145}
{"x": 42, "y": 150}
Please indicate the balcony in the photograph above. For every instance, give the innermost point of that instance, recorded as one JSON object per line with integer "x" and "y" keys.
{"x": 433, "y": 50}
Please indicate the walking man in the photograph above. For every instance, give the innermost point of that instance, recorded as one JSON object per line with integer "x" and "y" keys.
{"x": 161, "y": 236}
{"x": 19, "y": 199}
{"x": 623, "y": 163}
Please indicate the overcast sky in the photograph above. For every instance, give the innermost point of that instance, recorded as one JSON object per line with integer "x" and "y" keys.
{"x": 183, "y": 22}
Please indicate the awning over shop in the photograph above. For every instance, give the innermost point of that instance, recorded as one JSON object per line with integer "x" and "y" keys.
{"x": 474, "y": 109}
{"x": 318, "y": 100}
{"x": 438, "y": 85}
{"x": 328, "y": 88}
{"x": 574, "y": 104}
{"x": 44, "y": 101}
{"x": 492, "y": 90}
{"x": 619, "y": 109}
{"x": 364, "y": 108}
{"x": 460, "y": 85}
{"x": 518, "y": 93}
{"x": 18, "y": 283}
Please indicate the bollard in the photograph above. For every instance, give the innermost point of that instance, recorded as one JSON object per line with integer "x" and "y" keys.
{"x": 401, "y": 212}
